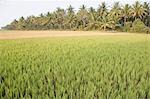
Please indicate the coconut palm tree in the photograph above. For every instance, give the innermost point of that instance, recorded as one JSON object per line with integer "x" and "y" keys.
{"x": 70, "y": 10}
{"x": 146, "y": 5}
{"x": 100, "y": 18}
{"x": 13, "y": 25}
{"x": 126, "y": 12}
{"x": 49, "y": 19}
{"x": 146, "y": 19}
{"x": 21, "y": 23}
{"x": 115, "y": 13}
{"x": 106, "y": 22}
{"x": 92, "y": 10}
{"x": 30, "y": 21}
{"x": 82, "y": 16}
{"x": 70, "y": 19}
{"x": 93, "y": 20}
{"x": 59, "y": 17}
{"x": 138, "y": 11}
{"x": 116, "y": 10}
{"x": 102, "y": 10}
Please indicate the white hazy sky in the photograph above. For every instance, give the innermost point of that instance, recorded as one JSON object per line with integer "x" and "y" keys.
{"x": 13, "y": 9}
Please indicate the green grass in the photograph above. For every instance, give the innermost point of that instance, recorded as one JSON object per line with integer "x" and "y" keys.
{"x": 103, "y": 67}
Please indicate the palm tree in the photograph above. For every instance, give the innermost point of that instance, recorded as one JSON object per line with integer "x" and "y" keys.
{"x": 41, "y": 21}
{"x": 14, "y": 25}
{"x": 93, "y": 20}
{"x": 138, "y": 11}
{"x": 93, "y": 25}
{"x": 49, "y": 20}
{"x": 21, "y": 23}
{"x": 146, "y": 6}
{"x": 116, "y": 10}
{"x": 41, "y": 15}
{"x": 92, "y": 10}
{"x": 115, "y": 13}
{"x": 70, "y": 10}
{"x": 106, "y": 22}
{"x": 30, "y": 22}
{"x": 70, "y": 19}
{"x": 60, "y": 16}
{"x": 146, "y": 19}
{"x": 82, "y": 16}
{"x": 100, "y": 18}
{"x": 102, "y": 10}
{"x": 48, "y": 14}
{"x": 126, "y": 12}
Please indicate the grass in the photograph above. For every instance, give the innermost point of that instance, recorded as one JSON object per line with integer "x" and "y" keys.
{"x": 102, "y": 67}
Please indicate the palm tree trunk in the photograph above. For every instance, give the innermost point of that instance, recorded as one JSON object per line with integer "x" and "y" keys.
{"x": 125, "y": 20}
{"x": 104, "y": 28}
{"x": 70, "y": 26}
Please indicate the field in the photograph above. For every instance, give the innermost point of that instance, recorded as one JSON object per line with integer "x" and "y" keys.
{"x": 111, "y": 66}
{"x": 37, "y": 34}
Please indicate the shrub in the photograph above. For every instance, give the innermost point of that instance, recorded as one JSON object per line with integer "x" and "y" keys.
{"x": 127, "y": 26}
{"x": 147, "y": 30}
{"x": 139, "y": 26}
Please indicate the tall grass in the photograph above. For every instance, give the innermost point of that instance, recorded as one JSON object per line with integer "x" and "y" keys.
{"x": 106, "y": 67}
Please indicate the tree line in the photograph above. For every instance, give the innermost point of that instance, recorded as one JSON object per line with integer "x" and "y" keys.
{"x": 134, "y": 18}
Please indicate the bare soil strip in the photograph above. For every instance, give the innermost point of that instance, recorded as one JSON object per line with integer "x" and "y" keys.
{"x": 37, "y": 34}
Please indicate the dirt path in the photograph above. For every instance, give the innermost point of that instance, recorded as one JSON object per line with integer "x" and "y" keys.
{"x": 34, "y": 34}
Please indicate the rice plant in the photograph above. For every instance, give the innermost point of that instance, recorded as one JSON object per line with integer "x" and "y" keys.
{"x": 104, "y": 67}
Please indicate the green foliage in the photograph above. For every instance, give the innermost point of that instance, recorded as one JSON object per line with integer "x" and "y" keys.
{"x": 138, "y": 26}
{"x": 138, "y": 10}
{"x": 127, "y": 26}
{"x": 86, "y": 19}
{"x": 147, "y": 30}
{"x": 114, "y": 67}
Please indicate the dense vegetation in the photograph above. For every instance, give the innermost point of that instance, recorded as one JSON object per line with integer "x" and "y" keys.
{"x": 106, "y": 67}
{"x": 135, "y": 18}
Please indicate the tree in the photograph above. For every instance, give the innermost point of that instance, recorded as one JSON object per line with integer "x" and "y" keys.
{"x": 126, "y": 12}
{"x": 106, "y": 22}
{"x": 115, "y": 13}
{"x": 92, "y": 14}
{"x": 102, "y": 10}
{"x": 13, "y": 25}
{"x": 70, "y": 10}
{"x": 30, "y": 23}
{"x": 146, "y": 19}
{"x": 21, "y": 24}
{"x": 59, "y": 18}
{"x": 138, "y": 11}
{"x": 139, "y": 26}
{"x": 87, "y": 19}
{"x": 93, "y": 20}
{"x": 82, "y": 16}
{"x": 70, "y": 19}
{"x": 116, "y": 10}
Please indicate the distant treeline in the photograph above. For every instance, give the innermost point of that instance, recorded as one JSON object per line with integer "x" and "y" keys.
{"x": 128, "y": 18}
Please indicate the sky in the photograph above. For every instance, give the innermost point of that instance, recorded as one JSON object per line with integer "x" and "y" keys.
{"x": 14, "y": 9}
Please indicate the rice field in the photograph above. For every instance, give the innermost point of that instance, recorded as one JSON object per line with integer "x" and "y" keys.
{"x": 93, "y": 67}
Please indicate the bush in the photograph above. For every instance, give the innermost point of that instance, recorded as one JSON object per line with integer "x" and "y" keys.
{"x": 139, "y": 26}
{"x": 127, "y": 26}
{"x": 147, "y": 30}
